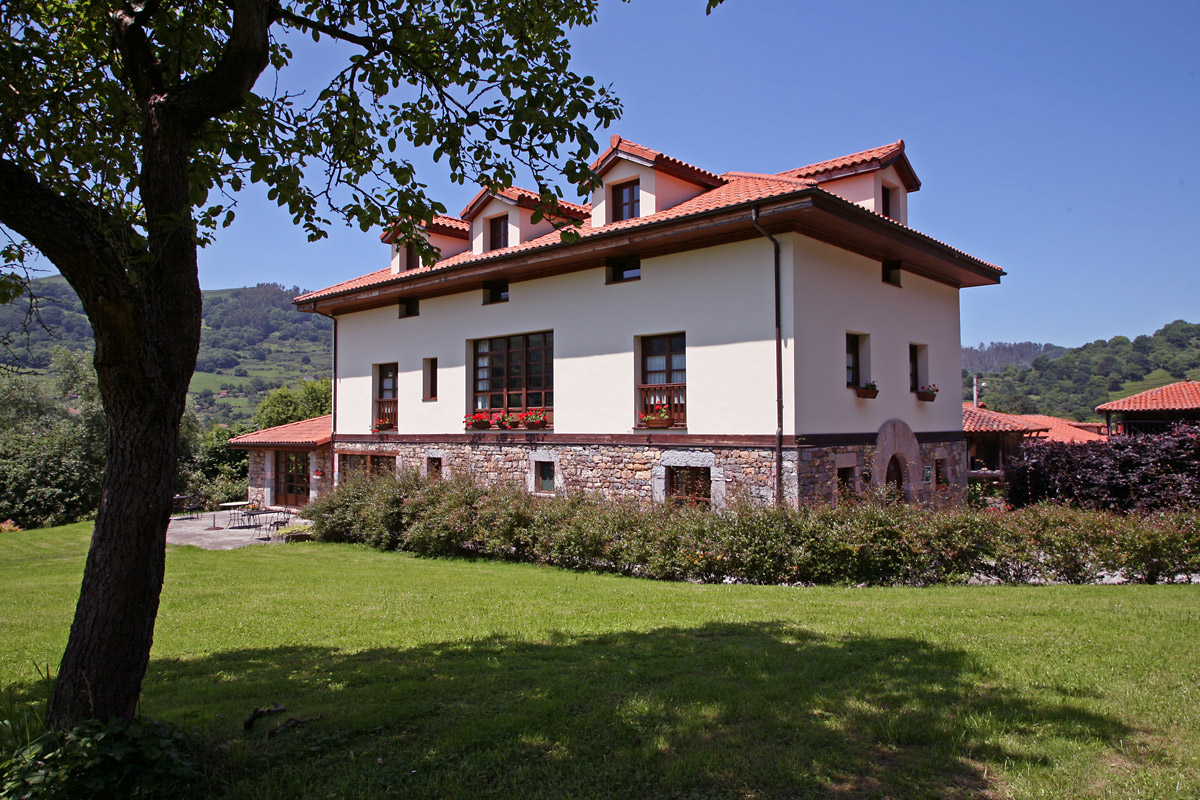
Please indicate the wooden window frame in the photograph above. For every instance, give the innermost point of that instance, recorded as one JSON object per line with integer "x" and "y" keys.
{"x": 497, "y": 232}
{"x": 682, "y": 483}
{"x": 891, "y": 272}
{"x": 540, "y": 478}
{"x": 624, "y": 269}
{"x": 412, "y": 260}
{"x": 429, "y": 379}
{"x": 503, "y": 372}
{"x": 853, "y": 360}
{"x": 386, "y": 407}
{"x": 409, "y": 307}
{"x": 626, "y": 200}
{"x": 674, "y": 392}
{"x": 495, "y": 292}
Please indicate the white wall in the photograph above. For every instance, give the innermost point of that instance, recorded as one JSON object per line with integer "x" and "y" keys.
{"x": 837, "y": 292}
{"x": 721, "y": 298}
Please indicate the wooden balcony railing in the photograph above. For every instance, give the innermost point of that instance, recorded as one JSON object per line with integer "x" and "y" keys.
{"x": 671, "y": 395}
{"x": 385, "y": 412}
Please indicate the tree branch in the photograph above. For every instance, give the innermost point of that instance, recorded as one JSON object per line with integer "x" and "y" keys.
{"x": 142, "y": 69}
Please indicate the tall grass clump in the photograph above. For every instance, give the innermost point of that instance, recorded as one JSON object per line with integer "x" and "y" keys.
{"x": 868, "y": 541}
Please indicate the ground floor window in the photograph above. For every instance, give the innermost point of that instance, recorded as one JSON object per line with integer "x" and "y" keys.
{"x": 376, "y": 465}
{"x": 433, "y": 467}
{"x": 544, "y": 476}
{"x": 689, "y": 485}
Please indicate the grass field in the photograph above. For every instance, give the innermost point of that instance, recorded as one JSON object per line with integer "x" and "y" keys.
{"x": 454, "y": 679}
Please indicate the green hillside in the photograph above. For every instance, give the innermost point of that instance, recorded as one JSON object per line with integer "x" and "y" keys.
{"x": 1072, "y": 384}
{"x": 253, "y": 339}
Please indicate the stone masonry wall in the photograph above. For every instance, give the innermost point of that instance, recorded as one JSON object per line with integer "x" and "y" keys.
{"x": 810, "y": 473}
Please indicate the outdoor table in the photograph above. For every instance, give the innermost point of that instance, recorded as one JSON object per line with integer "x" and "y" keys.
{"x": 236, "y": 511}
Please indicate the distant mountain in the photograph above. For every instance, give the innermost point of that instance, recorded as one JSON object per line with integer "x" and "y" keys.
{"x": 253, "y": 339}
{"x": 995, "y": 356}
{"x": 1073, "y": 382}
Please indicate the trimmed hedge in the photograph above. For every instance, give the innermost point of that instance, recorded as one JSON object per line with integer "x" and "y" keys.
{"x": 866, "y": 542}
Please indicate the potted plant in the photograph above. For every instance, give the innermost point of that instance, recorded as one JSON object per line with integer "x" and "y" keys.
{"x": 660, "y": 417}
{"x": 869, "y": 390}
{"x": 506, "y": 422}
{"x": 534, "y": 419}
{"x": 928, "y": 393}
{"x": 382, "y": 425}
{"x": 480, "y": 421}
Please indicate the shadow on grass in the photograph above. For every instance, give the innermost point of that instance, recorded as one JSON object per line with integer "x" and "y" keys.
{"x": 723, "y": 710}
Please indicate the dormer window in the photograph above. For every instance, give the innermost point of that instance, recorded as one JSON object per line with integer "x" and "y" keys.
{"x": 626, "y": 202}
{"x": 498, "y": 232}
{"x": 412, "y": 260}
{"x": 888, "y": 201}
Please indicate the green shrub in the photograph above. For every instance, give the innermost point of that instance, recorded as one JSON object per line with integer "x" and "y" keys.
{"x": 871, "y": 541}
{"x": 143, "y": 758}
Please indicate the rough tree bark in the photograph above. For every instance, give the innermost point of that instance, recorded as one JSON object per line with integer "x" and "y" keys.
{"x": 144, "y": 305}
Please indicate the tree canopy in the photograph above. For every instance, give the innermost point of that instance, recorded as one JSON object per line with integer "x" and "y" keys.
{"x": 129, "y": 126}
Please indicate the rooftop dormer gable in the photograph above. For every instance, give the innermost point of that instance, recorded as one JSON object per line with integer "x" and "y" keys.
{"x": 449, "y": 235}
{"x": 878, "y": 179}
{"x": 639, "y": 182}
{"x": 505, "y": 219}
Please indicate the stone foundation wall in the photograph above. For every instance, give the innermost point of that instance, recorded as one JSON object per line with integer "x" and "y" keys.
{"x": 809, "y": 473}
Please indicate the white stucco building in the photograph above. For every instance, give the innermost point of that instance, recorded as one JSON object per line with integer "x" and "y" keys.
{"x": 761, "y": 311}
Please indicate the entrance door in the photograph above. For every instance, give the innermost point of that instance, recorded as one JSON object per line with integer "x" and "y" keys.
{"x": 895, "y": 476}
{"x": 291, "y": 478}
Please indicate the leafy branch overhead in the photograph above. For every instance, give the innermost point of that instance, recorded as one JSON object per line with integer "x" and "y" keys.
{"x": 486, "y": 84}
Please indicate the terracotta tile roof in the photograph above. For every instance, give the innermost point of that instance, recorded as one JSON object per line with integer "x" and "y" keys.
{"x": 525, "y": 198}
{"x": 447, "y": 226}
{"x": 982, "y": 420}
{"x": 879, "y": 157}
{"x": 316, "y": 431}
{"x": 681, "y": 169}
{"x": 1182, "y": 396}
{"x": 1063, "y": 430}
{"x": 731, "y": 190}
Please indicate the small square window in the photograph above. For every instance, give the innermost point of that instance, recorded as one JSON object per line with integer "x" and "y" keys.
{"x": 495, "y": 292}
{"x": 544, "y": 475}
{"x": 891, "y": 272}
{"x": 689, "y": 485}
{"x": 619, "y": 270}
{"x": 433, "y": 467}
{"x": 410, "y": 307}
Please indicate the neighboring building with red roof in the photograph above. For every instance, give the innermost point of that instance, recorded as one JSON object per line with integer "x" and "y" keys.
{"x": 290, "y": 464}
{"x": 789, "y": 329}
{"x": 1155, "y": 410}
{"x": 994, "y": 437}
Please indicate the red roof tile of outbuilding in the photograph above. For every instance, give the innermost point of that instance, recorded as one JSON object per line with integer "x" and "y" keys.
{"x": 982, "y": 420}
{"x": 1062, "y": 430}
{"x": 1182, "y": 396}
{"x": 316, "y": 431}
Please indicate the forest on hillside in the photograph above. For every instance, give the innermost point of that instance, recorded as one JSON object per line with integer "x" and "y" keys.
{"x": 253, "y": 340}
{"x": 1073, "y": 383}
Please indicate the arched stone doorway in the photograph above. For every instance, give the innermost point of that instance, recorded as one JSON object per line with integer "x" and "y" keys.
{"x": 897, "y": 458}
{"x": 895, "y": 475}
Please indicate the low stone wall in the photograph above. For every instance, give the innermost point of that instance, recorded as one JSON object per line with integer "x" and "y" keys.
{"x": 810, "y": 474}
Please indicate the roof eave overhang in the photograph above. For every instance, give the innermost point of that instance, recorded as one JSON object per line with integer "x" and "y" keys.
{"x": 811, "y": 212}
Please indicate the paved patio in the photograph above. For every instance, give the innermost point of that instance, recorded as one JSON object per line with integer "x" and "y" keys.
{"x": 197, "y": 532}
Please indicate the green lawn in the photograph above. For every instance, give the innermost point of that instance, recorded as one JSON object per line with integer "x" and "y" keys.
{"x": 452, "y": 679}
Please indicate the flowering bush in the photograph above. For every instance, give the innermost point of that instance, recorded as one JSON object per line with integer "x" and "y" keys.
{"x": 8, "y": 526}
{"x": 506, "y": 421}
{"x": 480, "y": 419}
{"x": 533, "y": 417}
{"x": 660, "y": 412}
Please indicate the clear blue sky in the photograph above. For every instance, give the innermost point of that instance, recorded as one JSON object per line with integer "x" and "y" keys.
{"x": 1057, "y": 140}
